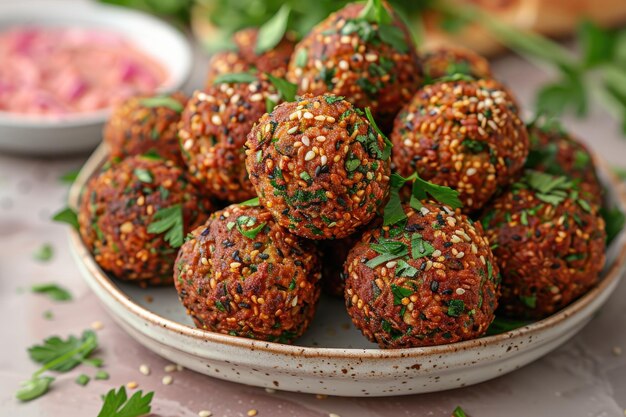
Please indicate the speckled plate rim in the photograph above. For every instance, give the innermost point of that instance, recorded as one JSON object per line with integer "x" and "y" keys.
{"x": 610, "y": 276}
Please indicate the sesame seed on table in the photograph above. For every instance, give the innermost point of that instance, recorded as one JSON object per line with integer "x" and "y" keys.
{"x": 583, "y": 377}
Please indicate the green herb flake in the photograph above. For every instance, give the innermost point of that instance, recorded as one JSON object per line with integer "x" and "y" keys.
{"x": 375, "y": 12}
{"x": 286, "y": 89}
{"x": 253, "y": 202}
{"x": 162, "y": 101}
{"x": 68, "y": 216}
{"x": 458, "y": 412}
{"x": 235, "y": 78}
{"x": 302, "y": 57}
{"x": 220, "y": 306}
{"x": 399, "y": 293}
{"x": 169, "y": 220}
{"x": 143, "y": 175}
{"x": 53, "y": 291}
{"x": 333, "y": 99}
{"x": 272, "y": 32}
{"x": 61, "y": 355}
{"x": 44, "y": 253}
{"x": 502, "y": 325}
{"x": 117, "y": 404}
{"x": 456, "y": 308}
{"x": 615, "y": 220}
{"x": 529, "y": 301}
{"x": 101, "y": 375}
{"x": 422, "y": 189}
{"x": 82, "y": 379}
{"x": 419, "y": 247}
{"x": 393, "y": 36}
{"x": 69, "y": 177}
{"x": 403, "y": 269}
{"x": 34, "y": 388}
{"x": 251, "y": 233}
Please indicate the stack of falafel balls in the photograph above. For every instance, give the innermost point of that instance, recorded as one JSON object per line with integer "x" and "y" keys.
{"x": 482, "y": 214}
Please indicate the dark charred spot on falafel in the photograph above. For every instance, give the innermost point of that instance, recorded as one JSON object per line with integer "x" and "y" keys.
{"x": 319, "y": 166}
{"x": 244, "y": 275}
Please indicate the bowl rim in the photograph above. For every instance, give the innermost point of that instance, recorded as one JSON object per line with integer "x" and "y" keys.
{"x": 612, "y": 274}
{"x": 13, "y": 119}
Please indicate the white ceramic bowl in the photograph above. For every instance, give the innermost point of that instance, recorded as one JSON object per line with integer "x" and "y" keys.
{"x": 81, "y": 132}
{"x": 333, "y": 357}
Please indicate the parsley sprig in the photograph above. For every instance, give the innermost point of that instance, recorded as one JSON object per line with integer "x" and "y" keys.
{"x": 169, "y": 220}
{"x": 271, "y": 33}
{"x": 376, "y": 12}
{"x": 53, "y": 291}
{"x": 162, "y": 101}
{"x": 117, "y": 404}
{"x": 421, "y": 190}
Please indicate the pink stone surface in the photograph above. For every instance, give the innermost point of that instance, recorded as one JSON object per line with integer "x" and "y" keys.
{"x": 585, "y": 377}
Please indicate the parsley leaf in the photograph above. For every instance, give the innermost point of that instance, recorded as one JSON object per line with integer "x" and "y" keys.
{"x": 422, "y": 189}
{"x": 502, "y": 325}
{"x": 456, "y": 308}
{"x": 399, "y": 293}
{"x": 235, "y": 78}
{"x": 143, "y": 175}
{"x": 162, "y": 101}
{"x": 388, "y": 250}
{"x": 301, "y": 57}
{"x": 34, "y": 388}
{"x": 69, "y": 177}
{"x": 251, "y": 233}
{"x": 374, "y": 11}
{"x": 419, "y": 247}
{"x": 117, "y": 404}
{"x": 549, "y": 189}
{"x": 458, "y": 412}
{"x": 170, "y": 221}
{"x": 253, "y": 202}
{"x": 393, "y": 212}
{"x": 286, "y": 89}
{"x": 53, "y": 291}
{"x": 271, "y": 33}
{"x": 44, "y": 253}
{"x": 403, "y": 269}
{"x": 392, "y": 35}
{"x": 386, "y": 152}
{"x": 66, "y": 215}
{"x": 61, "y": 355}
{"x": 529, "y": 301}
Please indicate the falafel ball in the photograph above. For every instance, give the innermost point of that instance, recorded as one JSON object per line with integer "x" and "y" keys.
{"x": 334, "y": 255}
{"x": 448, "y": 61}
{"x": 146, "y": 124}
{"x": 319, "y": 166}
{"x": 244, "y": 275}
{"x": 549, "y": 245}
{"x": 556, "y": 152}
{"x": 373, "y": 65}
{"x": 463, "y": 134}
{"x": 212, "y": 133}
{"x": 118, "y": 208}
{"x": 245, "y": 58}
{"x": 431, "y": 280}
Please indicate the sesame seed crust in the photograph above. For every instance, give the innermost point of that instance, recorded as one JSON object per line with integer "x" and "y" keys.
{"x": 450, "y": 294}
{"x": 134, "y": 129}
{"x": 264, "y": 286}
{"x": 447, "y": 61}
{"x": 212, "y": 133}
{"x": 117, "y": 207}
{"x": 327, "y": 177}
{"x": 244, "y": 59}
{"x": 549, "y": 255}
{"x": 559, "y": 153}
{"x": 368, "y": 72}
{"x": 462, "y": 134}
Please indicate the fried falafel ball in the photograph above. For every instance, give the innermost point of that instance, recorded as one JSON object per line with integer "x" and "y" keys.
{"x": 319, "y": 166}
{"x": 120, "y": 206}
{"x": 146, "y": 124}
{"x": 334, "y": 255}
{"x": 549, "y": 245}
{"x": 212, "y": 133}
{"x": 463, "y": 134}
{"x": 429, "y": 281}
{"x": 447, "y": 61}
{"x": 373, "y": 65}
{"x": 245, "y": 58}
{"x": 556, "y": 152}
{"x": 244, "y": 275}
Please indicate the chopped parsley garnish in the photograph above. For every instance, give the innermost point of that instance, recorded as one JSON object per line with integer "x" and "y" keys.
{"x": 247, "y": 221}
{"x": 169, "y": 220}
{"x": 235, "y": 78}
{"x": 399, "y": 293}
{"x": 529, "y": 301}
{"x": 301, "y": 58}
{"x": 333, "y": 99}
{"x": 143, "y": 175}
{"x": 117, "y": 404}
{"x": 34, "y": 388}
{"x": 456, "y": 308}
{"x": 101, "y": 375}
{"x": 388, "y": 250}
{"x": 392, "y": 35}
{"x": 375, "y": 12}
{"x": 474, "y": 146}
{"x": 372, "y": 144}
{"x": 272, "y": 32}
{"x": 549, "y": 189}
{"x": 66, "y": 215}
{"x": 44, "y": 253}
{"x": 502, "y": 325}
{"x": 458, "y": 412}
{"x": 82, "y": 379}
{"x": 69, "y": 177}
{"x": 54, "y": 291}
{"x": 403, "y": 269}
{"x": 162, "y": 101}
{"x": 286, "y": 89}
{"x": 419, "y": 247}
{"x": 253, "y": 202}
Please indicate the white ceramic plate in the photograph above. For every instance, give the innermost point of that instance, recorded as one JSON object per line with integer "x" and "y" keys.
{"x": 333, "y": 357}
{"x": 82, "y": 132}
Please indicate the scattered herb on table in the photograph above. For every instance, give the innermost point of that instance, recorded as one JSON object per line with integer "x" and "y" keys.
{"x": 458, "y": 412}
{"x": 82, "y": 379}
{"x": 44, "y": 253}
{"x": 117, "y": 404}
{"x": 66, "y": 215}
{"x": 53, "y": 291}
{"x": 69, "y": 177}
{"x": 101, "y": 375}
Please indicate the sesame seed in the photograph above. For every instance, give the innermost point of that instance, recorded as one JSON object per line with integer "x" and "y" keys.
{"x": 324, "y": 159}
{"x": 455, "y": 239}
{"x": 308, "y": 115}
{"x": 437, "y": 253}
{"x": 144, "y": 369}
{"x": 460, "y": 291}
{"x": 320, "y": 117}
{"x": 320, "y": 138}
{"x": 204, "y": 413}
{"x": 167, "y": 380}
{"x": 470, "y": 171}
{"x": 216, "y": 120}
{"x": 391, "y": 264}
{"x": 252, "y": 413}
{"x": 270, "y": 390}
{"x": 343, "y": 65}
{"x": 132, "y": 385}
{"x": 235, "y": 265}
{"x": 309, "y": 156}
{"x": 294, "y": 302}
{"x": 293, "y": 130}
{"x": 617, "y": 350}
{"x": 170, "y": 368}
{"x": 333, "y": 415}
{"x": 97, "y": 325}
{"x": 371, "y": 57}
{"x": 460, "y": 255}
{"x": 305, "y": 140}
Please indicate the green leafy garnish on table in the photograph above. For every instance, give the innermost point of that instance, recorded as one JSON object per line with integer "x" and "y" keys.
{"x": 44, "y": 253}
{"x": 82, "y": 379}
{"x": 458, "y": 412}
{"x": 34, "y": 388}
{"x": 117, "y": 404}
{"x": 271, "y": 33}
{"x": 68, "y": 216}
{"x": 101, "y": 375}
{"x": 69, "y": 177}
{"x": 162, "y": 101}
{"x": 53, "y": 291}
{"x": 169, "y": 220}
{"x": 235, "y": 78}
